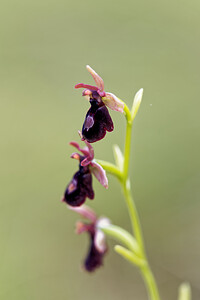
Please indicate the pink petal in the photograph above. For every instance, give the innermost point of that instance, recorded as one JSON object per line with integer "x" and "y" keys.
{"x": 76, "y": 145}
{"x": 86, "y": 86}
{"x": 90, "y": 150}
{"x": 98, "y": 80}
{"x": 101, "y": 94}
{"x": 75, "y": 156}
{"x": 99, "y": 173}
{"x": 100, "y": 241}
{"x": 85, "y": 162}
{"x": 85, "y": 212}
{"x": 87, "y": 94}
{"x": 100, "y": 238}
{"x": 81, "y": 227}
{"x": 113, "y": 102}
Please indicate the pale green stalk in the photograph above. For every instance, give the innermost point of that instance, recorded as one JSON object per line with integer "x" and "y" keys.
{"x": 145, "y": 270}
{"x": 150, "y": 282}
{"x": 126, "y": 183}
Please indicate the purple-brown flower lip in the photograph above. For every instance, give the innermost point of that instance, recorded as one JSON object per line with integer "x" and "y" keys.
{"x": 97, "y": 120}
{"x": 98, "y": 246}
{"x": 80, "y": 187}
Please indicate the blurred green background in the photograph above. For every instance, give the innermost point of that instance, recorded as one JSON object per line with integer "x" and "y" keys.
{"x": 45, "y": 46}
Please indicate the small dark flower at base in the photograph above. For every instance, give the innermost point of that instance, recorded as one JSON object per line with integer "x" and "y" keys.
{"x": 98, "y": 120}
{"x": 98, "y": 247}
{"x": 94, "y": 257}
{"x": 80, "y": 187}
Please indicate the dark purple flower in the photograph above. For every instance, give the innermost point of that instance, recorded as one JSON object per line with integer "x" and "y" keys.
{"x": 98, "y": 120}
{"x": 80, "y": 187}
{"x": 97, "y": 246}
{"x": 94, "y": 258}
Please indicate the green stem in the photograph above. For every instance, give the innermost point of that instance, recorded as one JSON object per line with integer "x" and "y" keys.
{"x": 127, "y": 150}
{"x": 145, "y": 270}
{"x": 126, "y": 184}
{"x": 150, "y": 282}
{"x": 133, "y": 216}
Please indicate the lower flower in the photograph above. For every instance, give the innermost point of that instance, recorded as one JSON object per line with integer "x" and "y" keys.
{"x": 94, "y": 258}
{"x": 97, "y": 246}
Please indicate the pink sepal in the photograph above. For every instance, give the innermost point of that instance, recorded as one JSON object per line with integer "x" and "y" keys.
{"x": 75, "y": 155}
{"x": 100, "y": 241}
{"x": 89, "y": 147}
{"x": 82, "y": 227}
{"x": 85, "y": 212}
{"x": 86, "y": 86}
{"x": 98, "y": 80}
{"x": 113, "y": 102}
{"x": 99, "y": 173}
{"x": 87, "y": 94}
{"x": 85, "y": 162}
{"x": 76, "y": 145}
{"x": 87, "y": 151}
{"x": 100, "y": 238}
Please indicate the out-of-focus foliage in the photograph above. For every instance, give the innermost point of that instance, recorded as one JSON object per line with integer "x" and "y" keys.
{"x": 45, "y": 46}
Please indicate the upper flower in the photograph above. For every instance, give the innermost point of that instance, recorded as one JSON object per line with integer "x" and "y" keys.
{"x": 98, "y": 120}
{"x": 98, "y": 246}
{"x": 80, "y": 187}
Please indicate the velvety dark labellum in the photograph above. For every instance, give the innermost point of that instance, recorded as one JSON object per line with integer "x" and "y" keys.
{"x": 94, "y": 258}
{"x": 79, "y": 187}
{"x": 97, "y": 122}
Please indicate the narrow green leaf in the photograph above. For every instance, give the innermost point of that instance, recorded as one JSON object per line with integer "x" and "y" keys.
{"x": 136, "y": 103}
{"x": 110, "y": 168}
{"x": 119, "y": 158}
{"x": 184, "y": 292}
{"x": 130, "y": 256}
{"x": 122, "y": 236}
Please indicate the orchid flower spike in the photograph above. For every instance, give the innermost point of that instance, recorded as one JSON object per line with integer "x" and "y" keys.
{"x": 97, "y": 246}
